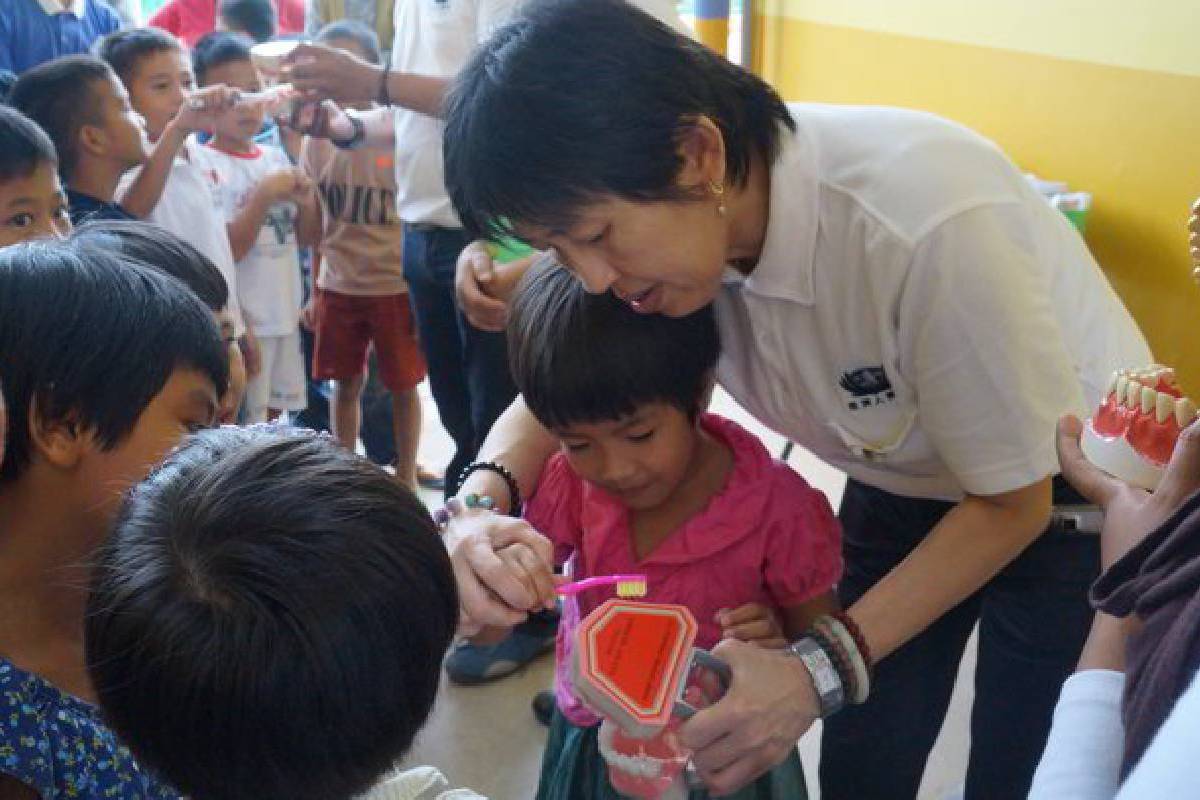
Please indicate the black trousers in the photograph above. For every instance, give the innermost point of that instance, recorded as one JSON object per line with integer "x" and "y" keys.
{"x": 1033, "y": 619}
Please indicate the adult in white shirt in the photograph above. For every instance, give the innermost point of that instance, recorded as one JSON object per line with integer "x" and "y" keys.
{"x": 892, "y": 295}
{"x": 1083, "y": 755}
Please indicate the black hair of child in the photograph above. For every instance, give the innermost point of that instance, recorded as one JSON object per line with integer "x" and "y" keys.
{"x": 23, "y": 146}
{"x": 61, "y": 97}
{"x": 585, "y": 358}
{"x": 161, "y": 250}
{"x": 256, "y": 18}
{"x": 218, "y": 48}
{"x": 580, "y": 99}
{"x": 89, "y": 335}
{"x": 125, "y": 49}
{"x": 268, "y": 618}
{"x": 353, "y": 30}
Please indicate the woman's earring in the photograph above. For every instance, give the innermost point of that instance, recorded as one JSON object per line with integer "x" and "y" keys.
{"x": 718, "y": 191}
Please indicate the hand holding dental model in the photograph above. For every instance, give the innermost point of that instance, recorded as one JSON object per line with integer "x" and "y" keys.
{"x": 1133, "y": 433}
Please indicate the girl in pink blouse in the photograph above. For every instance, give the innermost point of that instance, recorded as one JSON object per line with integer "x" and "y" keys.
{"x": 648, "y": 483}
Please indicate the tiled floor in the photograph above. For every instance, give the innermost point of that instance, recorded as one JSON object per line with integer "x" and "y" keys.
{"x": 486, "y": 737}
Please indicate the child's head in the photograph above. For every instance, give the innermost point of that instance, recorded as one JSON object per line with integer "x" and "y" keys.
{"x": 352, "y": 36}
{"x": 268, "y": 618}
{"x": 623, "y": 391}
{"x": 81, "y": 104}
{"x": 162, "y": 250}
{"x": 32, "y": 202}
{"x": 225, "y": 58}
{"x": 156, "y": 72}
{"x": 254, "y": 18}
{"x": 105, "y": 365}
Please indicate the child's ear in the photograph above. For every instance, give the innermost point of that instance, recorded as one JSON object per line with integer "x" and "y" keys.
{"x": 60, "y": 442}
{"x": 93, "y": 139}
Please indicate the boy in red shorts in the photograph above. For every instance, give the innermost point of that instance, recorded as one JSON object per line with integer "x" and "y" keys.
{"x": 360, "y": 297}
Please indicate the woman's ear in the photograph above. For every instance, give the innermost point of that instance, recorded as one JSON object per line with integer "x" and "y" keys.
{"x": 61, "y": 442}
{"x": 701, "y": 150}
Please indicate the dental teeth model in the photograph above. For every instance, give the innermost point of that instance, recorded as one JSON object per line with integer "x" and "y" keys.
{"x": 631, "y": 664}
{"x": 1132, "y": 434}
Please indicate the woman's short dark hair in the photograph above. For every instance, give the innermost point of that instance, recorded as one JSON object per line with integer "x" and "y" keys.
{"x": 255, "y": 18}
{"x": 268, "y": 618}
{"x": 582, "y": 99}
{"x": 354, "y": 31}
{"x": 91, "y": 335}
{"x": 217, "y": 48}
{"x": 23, "y": 146}
{"x": 161, "y": 250}
{"x": 579, "y": 357}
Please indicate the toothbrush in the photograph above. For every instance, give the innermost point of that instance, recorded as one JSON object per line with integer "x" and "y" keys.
{"x": 628, "y": 586}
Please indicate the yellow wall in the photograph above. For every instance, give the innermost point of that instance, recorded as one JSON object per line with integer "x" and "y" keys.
{"x": 1088, "y": 93}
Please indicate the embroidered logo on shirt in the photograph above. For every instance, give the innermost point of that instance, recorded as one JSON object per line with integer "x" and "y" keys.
{"x": 867, "y": 387}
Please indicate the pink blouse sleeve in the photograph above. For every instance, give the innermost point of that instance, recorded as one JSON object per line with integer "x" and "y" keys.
{"x": 804, "y": 543}
{"x": 554, "y": 509}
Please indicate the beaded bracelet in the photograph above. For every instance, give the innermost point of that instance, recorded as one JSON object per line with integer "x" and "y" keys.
{"x": 837, "y": 655}
{"x": 510, "y": 480}
{"x": 856, "y": 632}
{"x": 856, "y": 663}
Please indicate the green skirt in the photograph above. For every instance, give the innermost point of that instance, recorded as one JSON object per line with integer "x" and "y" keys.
{"x": 573, "y": 769}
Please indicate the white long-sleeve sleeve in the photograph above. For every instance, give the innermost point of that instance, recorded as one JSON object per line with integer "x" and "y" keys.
{"x": 1082, "y": 760}
{"x": 1083, "y": 755}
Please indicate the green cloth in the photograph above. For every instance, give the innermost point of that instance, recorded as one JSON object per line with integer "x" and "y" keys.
{"x": 573, "y": 769}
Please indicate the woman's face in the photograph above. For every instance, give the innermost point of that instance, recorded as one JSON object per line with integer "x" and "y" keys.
{"x": 661, "y": 257}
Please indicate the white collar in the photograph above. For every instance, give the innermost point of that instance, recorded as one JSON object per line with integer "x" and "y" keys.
{"x": 785, "y": 266}
{"x": 52, "y": 7}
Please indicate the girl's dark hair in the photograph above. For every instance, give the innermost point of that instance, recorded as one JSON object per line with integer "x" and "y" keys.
{"x": 255, "y": 18}
{"x": 93, "y": 336}
{"x": 217, "y": 48}
{"x": 268, "y": 618}
{"x": 23, "y": 146}
{"x": 579, "y": 357}
{"x": 583, "y": 99}
{"x": 125, "y": 49}
{"x": 354, "y": 31}
{"x": 160, "y": 250}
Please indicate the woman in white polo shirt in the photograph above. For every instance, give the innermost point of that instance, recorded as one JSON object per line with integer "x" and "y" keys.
{"x": 893, "y": 296}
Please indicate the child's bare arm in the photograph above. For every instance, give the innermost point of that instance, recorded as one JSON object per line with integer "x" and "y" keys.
{"x": 244, "y": 228}
{"x": 309, "y": 229}
{"x": 143, "y": 194}
{"x": 798, "y": 619}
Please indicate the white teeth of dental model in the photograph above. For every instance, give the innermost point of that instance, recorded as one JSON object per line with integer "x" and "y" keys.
{"x": 1185, "y": 412}
{"x": 1164, "y": 407}
{"x": 1112, "y": 382}
{"x": 1122, "y": 386}
{"x": 1133, "y": 394}
{"x": 641, "y": 766}
{"x": 1148, "y": 400}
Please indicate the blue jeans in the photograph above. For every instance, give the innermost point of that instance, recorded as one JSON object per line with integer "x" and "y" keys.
{"x": 1033, "y": 618}
{"x": 468, "y": 368}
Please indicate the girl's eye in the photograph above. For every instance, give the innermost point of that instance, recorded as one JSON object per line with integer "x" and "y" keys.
{"x": 575, "y": 447}
{"x": 599, "y": 237}
{"x": 20, "y": 220}
{"x": 641, "y": 437}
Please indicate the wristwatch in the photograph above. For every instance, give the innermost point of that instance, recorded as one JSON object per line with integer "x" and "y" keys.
{"x": 828, "y": 684}
{"x": 357, "y": 138}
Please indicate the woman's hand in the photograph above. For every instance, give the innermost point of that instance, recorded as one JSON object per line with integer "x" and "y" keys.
{"x": 756, "y": 725}
{"x": 503, "y": 568}
{"x": 318, "y": 72}
{"x": 753, "y": 623}
{"x": 473, "y": 273}
{"x": 1130, "y": 514}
